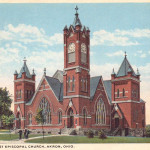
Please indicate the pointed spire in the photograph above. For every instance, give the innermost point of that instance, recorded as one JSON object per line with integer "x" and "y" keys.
{"x": 44, "y": 71}
{"x": 24, "y": 60}
{"x": 24, "y": 69}
{"x": 15, "y": 73}
{"x": 65, "y": 28}
{"x": 113, "y": 72}
{"x": 138, "y": 74}
{"x": 125, "y": 54}
{"x": 77, "y": 20}
{"x": 33, "y": 73}
{"x": 125, "y": 68}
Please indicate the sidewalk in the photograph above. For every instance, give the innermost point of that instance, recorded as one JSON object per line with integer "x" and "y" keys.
{"x": 22, "y": 141}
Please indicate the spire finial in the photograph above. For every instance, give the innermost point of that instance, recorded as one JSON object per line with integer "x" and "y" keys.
{"x": 24, "y": 60}
{"x": 125, "y": 54}
{"x": 76, "y": 9}
{"x": 45, "y": 71}
{"x": 138, "y": 74}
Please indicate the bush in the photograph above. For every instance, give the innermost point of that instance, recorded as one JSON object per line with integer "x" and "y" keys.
{"x": 73, "y": 132}
{"x": 101, "y": 135}
{"x": 90, "y": 134}
{"x": 147, "y": 131}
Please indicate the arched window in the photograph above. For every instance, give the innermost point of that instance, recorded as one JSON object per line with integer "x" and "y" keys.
{"x": 59, "y": 117}
{"x": 100, "y": 112}
{"x": 85, "y": 116}
{"x": 45, "y": 106}
{"x": 73, "y": 84}
{"x": 123, "y": 92}
{"x": 71, "y": 53}
{"x": 68, "y": 84}
{"x": 30, "y": 119}
{"x": 83, "y": 53}
{"x": 117, "y": 92}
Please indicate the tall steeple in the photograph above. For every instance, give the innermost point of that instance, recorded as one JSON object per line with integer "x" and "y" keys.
{"x": 76, "y": 19}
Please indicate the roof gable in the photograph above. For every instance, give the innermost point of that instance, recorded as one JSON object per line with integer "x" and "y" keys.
{"x": 124, "y": 68}
{"x": 24, "y": 69}
{"x": 107, "y": 85}
{"x": 93, "y": 85}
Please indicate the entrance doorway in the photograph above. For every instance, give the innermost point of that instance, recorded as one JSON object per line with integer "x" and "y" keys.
{"x": 116, "y": 122}
{"x": 126, "y": 131}
{"x": 71, "y": 118}
{"x": 18, "y": 122}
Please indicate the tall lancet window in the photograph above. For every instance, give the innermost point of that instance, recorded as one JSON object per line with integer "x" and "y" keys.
{"x": 30, "y": 119}
{"x": 83, "y": 53}
{"x": 117, "y": 92}
{"x": 71, "y": 53}
{"x": 68, "y": 84}
{"x": 123, "y": 92}
{"x": 59, "y": 117}
{"x": 100, "y": 112}
{"x": 73, "y": 83}
{"x": 84, "y": 116}
{"x": 45, "y": 106}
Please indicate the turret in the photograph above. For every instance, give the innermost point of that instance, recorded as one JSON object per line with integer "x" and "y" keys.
{"x": 24, "y": 88}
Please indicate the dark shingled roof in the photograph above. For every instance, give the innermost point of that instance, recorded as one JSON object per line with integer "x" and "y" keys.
{"x": 56, "y": 86}
{"x": 107, "y": 85}
{"x": 93, "y": 85}
{"x": 24, "y": 69}
{"x": 124, "y": 68}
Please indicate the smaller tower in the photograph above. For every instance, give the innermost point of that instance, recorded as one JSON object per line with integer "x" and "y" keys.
{"x": 24, "y": 88}
{"x": 125, "y": 94}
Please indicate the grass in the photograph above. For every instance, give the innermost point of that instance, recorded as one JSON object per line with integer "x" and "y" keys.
{"x": 4, "y": 131}
{"x": 83, "y": 139}
{"x": 6, "y": 137}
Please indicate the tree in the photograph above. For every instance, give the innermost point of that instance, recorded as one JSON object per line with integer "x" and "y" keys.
{"x": 40, "y": 118}
{"x": 5, "y": 103}
{"x": 8, "y": 121}
{"x": 147, "y": 131}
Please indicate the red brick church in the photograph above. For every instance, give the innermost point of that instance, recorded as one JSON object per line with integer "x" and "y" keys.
{"x": 73, "y": 99}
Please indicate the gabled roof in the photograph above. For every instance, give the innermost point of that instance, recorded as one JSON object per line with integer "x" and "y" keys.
{"x": 124, "y": 68}
{"x": 58, "y": 75}
{"x": 107, "y": 85}
{"x": 93, "y": 85}
{"x": 24, "y": 69}
{"x": 56, "y": 86}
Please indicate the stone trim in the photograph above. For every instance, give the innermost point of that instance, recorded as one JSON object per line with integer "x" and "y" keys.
{"x": 24, "y": 80}
{"x": 21, "y": 102}
{"x": 126, "y": 79}
{"x": 71, "y": 96}
{"x": 127, "y": 101}
{"x": 75, "y": 67}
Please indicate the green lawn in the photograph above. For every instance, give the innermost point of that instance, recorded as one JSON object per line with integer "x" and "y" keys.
{"x": 6, "y": 137}
{"x": 83, "y": 139}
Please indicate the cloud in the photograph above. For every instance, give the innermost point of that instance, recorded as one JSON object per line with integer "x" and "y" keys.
{"x": 138, "y": 33}
{"x": 118, "y": 53}
{"x": 143, "y": 56}
{"x": 103, "y": 37}
{"x": 29, "y": 34}
{"x": 119, "y": 37}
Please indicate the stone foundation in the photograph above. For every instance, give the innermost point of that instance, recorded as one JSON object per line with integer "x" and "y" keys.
{"x": 137, "y": 132}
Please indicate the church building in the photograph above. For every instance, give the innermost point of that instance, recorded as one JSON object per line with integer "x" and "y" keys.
{"x": 71, "y": 99}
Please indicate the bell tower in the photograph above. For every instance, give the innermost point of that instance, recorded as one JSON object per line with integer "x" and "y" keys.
{"x": 76, "y": 76}
{"x": 24, "y": 88}
{"x": 76, "y": 58}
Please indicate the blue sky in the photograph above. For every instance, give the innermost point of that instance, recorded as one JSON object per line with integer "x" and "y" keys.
{"x": 35, "y": 31}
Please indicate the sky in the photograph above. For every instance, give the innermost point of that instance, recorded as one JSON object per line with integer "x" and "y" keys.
{"x": 35, "y": 31}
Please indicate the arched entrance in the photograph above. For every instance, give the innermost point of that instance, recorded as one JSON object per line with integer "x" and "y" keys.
{"x": 70, "y": 118}
{"x": 116, "y": 119}
{"x": 18, "y": 121}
